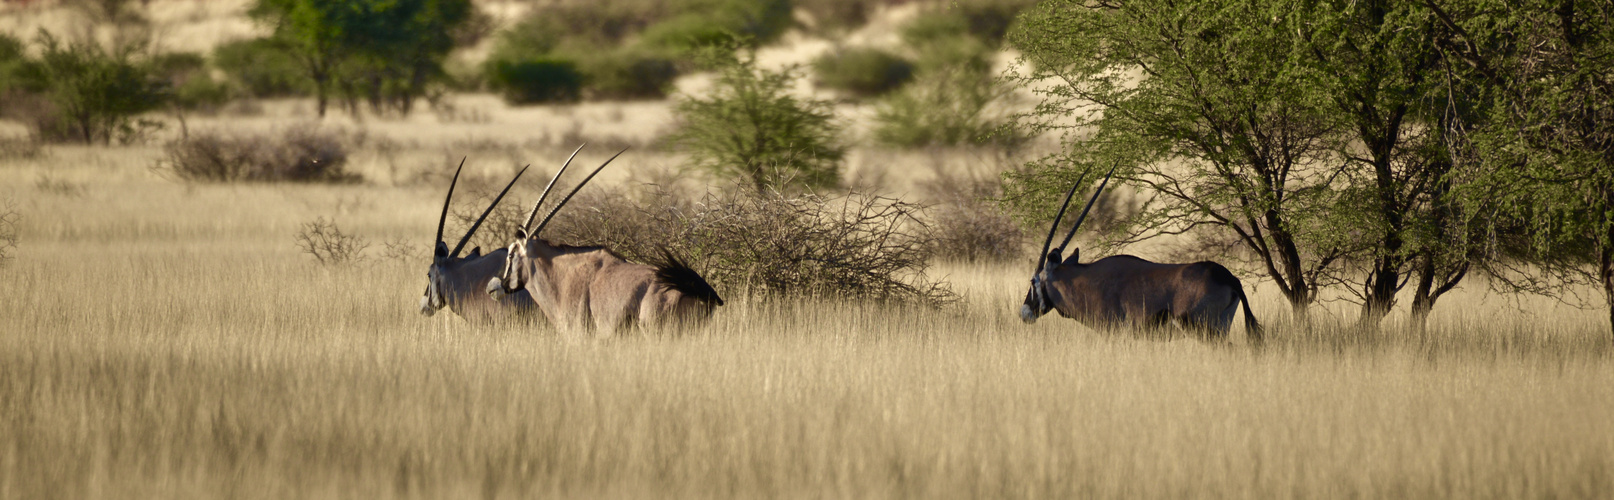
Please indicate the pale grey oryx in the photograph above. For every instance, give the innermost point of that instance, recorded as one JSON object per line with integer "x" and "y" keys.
{"x": 456, "y": 282}
{"x": 1126, "y": 291}
{"x": 583, "y": 289}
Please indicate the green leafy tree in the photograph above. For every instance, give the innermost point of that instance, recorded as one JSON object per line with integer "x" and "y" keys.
{"x": 1543, "y": 155}
{"x": 750, "y": 127}
{"x": 385, "y": 52}
{"x": 1200, "y": 105}
{"x": 1378, "y": 64}
{"x": 97, "y": 93}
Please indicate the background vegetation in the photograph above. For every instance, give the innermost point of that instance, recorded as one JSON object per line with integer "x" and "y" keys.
{"x": 216, "y": 295}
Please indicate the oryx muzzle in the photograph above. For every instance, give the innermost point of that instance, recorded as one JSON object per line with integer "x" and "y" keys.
{"x": 453, "y": 282}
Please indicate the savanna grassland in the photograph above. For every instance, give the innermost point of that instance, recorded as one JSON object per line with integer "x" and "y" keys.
{"x": 164, "y": 339}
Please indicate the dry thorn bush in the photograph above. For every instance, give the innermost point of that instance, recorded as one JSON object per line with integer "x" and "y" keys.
{"x": 9, "y": 222}
{"x": 967, "y": 223}
{"x": 327, "y": 244}
{"x": 299, "y": 155}
{"x": 769, "y": 244}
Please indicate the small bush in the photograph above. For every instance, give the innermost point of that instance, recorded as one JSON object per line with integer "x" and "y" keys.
{"x": 20, "y": 148}
{"x": 327, "y": 244}
{"x": 862, "y": 71}
{"x": 946, "y": 106}
{"x": 750, "y": 127}
{"x": 94, "y": 95}
{"x": 769, "y": 244}
{"x": 9, "y": 222}
{"x": 262, "y": 68}
{"x": 837, "y": 15}
{"x": 687, "y": 32}
{"x": 966, "y": 221}
{"x": 298, "y": 155}
{"x": 627, "y": 74}
{"x": 535, "y": 80}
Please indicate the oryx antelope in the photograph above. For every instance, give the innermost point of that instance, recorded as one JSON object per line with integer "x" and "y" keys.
{"x": 592, "y": 288}
{"x": 457, "y": 282}
{"x": 1124, "y": 290}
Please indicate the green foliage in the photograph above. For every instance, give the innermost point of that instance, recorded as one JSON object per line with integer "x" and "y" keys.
{"x": 91, "y": 94}
{"x": 387, "y": 53}
{"x": 1225, "y": 134}
{"x": 862, "y": 71}
{"x": 535, "y": 81}
{"x": 262, "y": 68}
{"x": 946, "y": 106}
{"x": 627, "y": 49}
{"x": 954, "y": 99}
{"x": 627, "y": 73}
{"x": 837, "y": 15}
{"x": 749, "y": 127}
{"x": 194, "y": 88}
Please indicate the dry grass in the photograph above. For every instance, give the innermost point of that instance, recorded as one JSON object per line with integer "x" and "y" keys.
{"x": 167, "y": 340}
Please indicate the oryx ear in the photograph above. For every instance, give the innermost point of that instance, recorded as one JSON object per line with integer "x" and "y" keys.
{"x": 1074, "y": 253}
{"x": 441, "y": 250}
{"x": 521, "y": 233}
{"x": 1051, "y": 262}
{"x": 475, "y": 252}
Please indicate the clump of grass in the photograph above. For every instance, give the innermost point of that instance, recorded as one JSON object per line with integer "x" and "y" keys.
{"x": 327, "y": 244}
{"x": 297, "y": 155}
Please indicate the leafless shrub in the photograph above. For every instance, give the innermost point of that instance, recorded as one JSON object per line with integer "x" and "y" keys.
{"x": 326, "y": 242}
{"x": 966, "y": 221}
{"x": 59, "y": 187}
{"x": 403, "y": 250}
{"x": 21, "y": 148}
{"x": 298, "y": 155}
{"x": 9, "y": 222}
{"x": 769, "y": 244}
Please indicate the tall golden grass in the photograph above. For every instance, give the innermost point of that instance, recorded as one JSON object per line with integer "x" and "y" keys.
{"x": 164, "y": 340}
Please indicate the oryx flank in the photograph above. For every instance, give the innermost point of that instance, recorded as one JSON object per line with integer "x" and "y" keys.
{"x": 591, "y": 288}
{"x": 1126, "y": 291}
{"x": 457, "y": 282}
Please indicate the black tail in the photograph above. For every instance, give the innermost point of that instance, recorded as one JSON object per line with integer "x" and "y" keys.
{"x": 1252, "y": 328}
{"x": 674, "y": 273}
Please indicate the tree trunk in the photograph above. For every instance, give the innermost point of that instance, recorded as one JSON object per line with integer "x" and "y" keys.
{"x": 1379, "y": 296}
{"x": 1423, "y": 299}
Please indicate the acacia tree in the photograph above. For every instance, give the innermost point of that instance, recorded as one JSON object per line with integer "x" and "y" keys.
{"x": 1203, "y": 107}
{"x": 383, "y": 51}
{"x": 1544, "y": 156}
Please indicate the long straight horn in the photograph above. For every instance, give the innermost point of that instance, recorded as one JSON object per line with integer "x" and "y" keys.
{"x": 545, "y": 194}
{"x": 441, "y": 219}
{"x": 1055, "y": 227}
{"x": 461, "y": 245}
{"x": 1089, "y": 206}
{"x": 535, "y": 231}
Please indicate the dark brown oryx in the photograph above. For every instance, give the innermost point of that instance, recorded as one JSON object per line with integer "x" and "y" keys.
{"x": 457, "y": 282}
{"x": 591, "y": 288}
{"x": 1126, "y": 291}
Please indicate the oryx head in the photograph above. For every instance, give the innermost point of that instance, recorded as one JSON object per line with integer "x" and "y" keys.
{"x": 1038, "y": 302}
{"x": 444, "y": 261}
{"x": 517, "y": 260}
